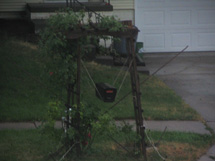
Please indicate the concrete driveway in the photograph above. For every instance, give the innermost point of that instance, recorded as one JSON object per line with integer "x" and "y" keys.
{"x": 191, "y": 76}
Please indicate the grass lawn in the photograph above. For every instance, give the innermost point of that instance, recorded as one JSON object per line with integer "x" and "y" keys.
{"x": 21, "y": 98}
{"x": 158, "y": 101}
{"x": 24, "y": 99}
{"x": 25, "y": 145}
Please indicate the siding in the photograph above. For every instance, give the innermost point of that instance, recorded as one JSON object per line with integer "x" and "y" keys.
{"x": 122, "y": 4}
{"x": 123, "y": 9}
{"x": 15, "y": 5}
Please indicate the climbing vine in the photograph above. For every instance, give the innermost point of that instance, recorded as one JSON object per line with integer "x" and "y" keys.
{"x": 60, "y": 54}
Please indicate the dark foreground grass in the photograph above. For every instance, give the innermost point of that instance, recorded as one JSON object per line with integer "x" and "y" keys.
{"x": 24, "y": 99}
{"x": 25, "y": 145}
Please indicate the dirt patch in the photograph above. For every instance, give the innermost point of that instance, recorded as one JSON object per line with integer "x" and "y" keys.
{"x": 181, "y": 151}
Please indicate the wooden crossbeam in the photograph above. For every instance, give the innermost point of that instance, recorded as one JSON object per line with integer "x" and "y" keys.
{"x": 95, "y": 30}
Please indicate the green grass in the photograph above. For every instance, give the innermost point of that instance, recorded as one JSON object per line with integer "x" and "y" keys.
{"x": 158, "y": 101}
{"x": 25, "y": 145}
{"x": 181, "y": 137}
{"x": 24, "y": 99}
{"x": 21, "y": 98}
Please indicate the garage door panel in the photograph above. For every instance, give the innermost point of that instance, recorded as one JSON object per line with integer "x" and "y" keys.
{"x": 143, "y": 3}
{"x": 153, "y": 17}
{"x": 206, "y": 17}
{"x": 154, "y": 0}
{"x": 182, "y": 17}
{"x": 180, "y": 39}
{"x": 149, "y": 3}
{"x": 206, "y": 39}
{"x": 154, "y": 40}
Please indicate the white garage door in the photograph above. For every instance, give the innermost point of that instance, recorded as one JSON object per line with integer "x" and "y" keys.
{"x": 170, "y": 25}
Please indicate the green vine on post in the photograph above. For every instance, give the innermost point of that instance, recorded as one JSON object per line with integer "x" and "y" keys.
{"x": 61, "y": 54}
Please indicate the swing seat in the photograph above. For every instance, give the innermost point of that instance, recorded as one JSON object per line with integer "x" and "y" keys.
{"x": 105, "y": 92}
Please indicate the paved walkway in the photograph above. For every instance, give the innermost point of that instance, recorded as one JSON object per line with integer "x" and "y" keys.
{"x": 182, "y": 126}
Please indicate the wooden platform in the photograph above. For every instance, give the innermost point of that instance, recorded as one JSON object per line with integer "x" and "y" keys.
{"x": 53, "y": 7}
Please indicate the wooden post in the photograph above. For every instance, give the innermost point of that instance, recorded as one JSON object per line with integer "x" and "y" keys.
{"x": 68, "y": 103}
{"x": 78, "y": 99}
{"x": 136, "y": 95}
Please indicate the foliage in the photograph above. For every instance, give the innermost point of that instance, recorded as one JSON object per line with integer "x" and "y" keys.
{"x": 110, "y": 23}
{"x": 129, "y": 134}
{"x": 61, "y": 54}
{"x": 104, "y": 125}
{"x": 54, "y": 112}
{"x": 87, "y": 116}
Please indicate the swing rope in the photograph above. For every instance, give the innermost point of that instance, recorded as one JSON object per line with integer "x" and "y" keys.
{"x": 126, "y": 73}
{"x": 123, "y": 80}
{"x": 91, "y": 79}
{"x": 120, "y": 71}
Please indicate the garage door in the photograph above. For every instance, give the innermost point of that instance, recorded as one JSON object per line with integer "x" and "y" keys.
{"x": 170, "y": 25}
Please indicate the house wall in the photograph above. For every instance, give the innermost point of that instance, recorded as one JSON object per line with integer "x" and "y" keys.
{"x": 123, "y": 9}
{"x": 15, "y": 5}
{"x": 14, "y": 8}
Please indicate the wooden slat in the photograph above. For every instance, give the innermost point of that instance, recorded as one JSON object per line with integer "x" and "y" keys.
{"x": 12, "y": 10}
{"x": 21, "y": 1}
{"x": 127, "y": 33}
{"x": 12, "y": 6}
{"x": 15, "y": 5}
{"x": 34, "y": 1}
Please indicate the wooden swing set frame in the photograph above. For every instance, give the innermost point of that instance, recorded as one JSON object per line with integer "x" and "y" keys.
{"x": 129, "y": 32}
